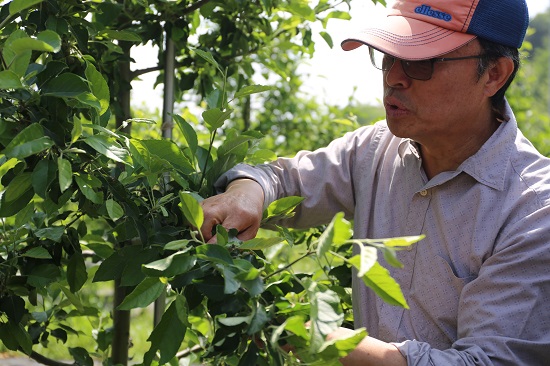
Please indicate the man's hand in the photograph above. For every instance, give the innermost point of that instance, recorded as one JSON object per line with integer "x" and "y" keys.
{"x": 370, "y": 351}
{"x": 239, "y": 207}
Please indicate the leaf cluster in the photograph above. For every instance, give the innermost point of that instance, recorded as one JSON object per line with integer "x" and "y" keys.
{"x": 83, "y": 201}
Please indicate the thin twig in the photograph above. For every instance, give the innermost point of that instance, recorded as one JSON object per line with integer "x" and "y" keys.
{"x": 187, "y": 352}
{"x": 47, "y": 361}
{"x": 288, "y": 265}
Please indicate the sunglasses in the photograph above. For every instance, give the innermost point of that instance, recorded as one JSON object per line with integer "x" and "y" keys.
{"x": 418, "y": 70}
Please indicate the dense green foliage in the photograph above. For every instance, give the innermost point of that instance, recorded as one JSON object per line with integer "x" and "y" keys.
{"x": 90, "y": 196}
{"x": 87, "y": 199}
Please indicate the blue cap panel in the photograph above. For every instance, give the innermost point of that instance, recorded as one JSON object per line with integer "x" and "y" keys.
{"x": 503, "y": 21}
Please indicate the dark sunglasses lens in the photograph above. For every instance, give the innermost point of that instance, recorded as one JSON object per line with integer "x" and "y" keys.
{"x": 419, "y": 70}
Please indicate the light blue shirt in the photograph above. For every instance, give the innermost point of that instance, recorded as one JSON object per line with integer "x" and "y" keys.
{"x": 478, "y": 285}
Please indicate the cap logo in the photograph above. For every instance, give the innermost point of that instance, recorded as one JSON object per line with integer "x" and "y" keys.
{"x": 427, "y": 10}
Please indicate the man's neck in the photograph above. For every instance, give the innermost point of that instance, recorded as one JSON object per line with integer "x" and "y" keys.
{"x": 437, "y": 159}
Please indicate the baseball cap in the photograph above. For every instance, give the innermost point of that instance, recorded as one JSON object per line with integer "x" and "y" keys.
{"x": 423, "y": 29}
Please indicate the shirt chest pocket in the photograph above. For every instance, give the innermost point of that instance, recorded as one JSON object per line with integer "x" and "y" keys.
{"x": 434, "y": 301}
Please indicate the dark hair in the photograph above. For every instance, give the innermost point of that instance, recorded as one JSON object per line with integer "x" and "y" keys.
{"x": 494, "y": 51}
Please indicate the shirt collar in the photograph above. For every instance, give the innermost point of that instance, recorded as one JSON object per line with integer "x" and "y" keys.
{"x": 488, "y": 165}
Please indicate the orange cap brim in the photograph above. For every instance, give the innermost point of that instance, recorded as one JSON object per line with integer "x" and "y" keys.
{"x": 409, "y": 39}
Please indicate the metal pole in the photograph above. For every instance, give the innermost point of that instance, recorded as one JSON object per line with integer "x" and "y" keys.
{"x": 167, "y": 126}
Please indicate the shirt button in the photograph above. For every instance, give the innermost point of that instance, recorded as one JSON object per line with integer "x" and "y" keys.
{"x": 423, "y": 193}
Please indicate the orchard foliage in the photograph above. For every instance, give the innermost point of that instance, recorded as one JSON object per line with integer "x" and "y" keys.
{"x": 85, "y": 201}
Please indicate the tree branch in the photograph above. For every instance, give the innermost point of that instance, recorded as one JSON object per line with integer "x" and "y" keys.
{"x": 187, "y": 352}
{"x": 46, "y": 361}
{"x": 139, "y": 72}
{"x": 195, "y": 6}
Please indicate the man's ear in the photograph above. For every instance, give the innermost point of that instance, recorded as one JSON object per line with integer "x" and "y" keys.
{"x": 497, "y": 75}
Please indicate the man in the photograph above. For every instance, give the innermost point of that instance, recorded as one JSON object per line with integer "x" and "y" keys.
{"x": 448, "y": 162}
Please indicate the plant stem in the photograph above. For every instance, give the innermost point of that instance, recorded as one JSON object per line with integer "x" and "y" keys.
{"x": 212, "y": 137}
{"x": 288, "y": 265}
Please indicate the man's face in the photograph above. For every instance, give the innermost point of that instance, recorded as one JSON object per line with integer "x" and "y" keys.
{"x": 441, "y": 110}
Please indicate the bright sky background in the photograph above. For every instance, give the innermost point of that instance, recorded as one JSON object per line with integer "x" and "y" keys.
{"x": 334, "y": 74}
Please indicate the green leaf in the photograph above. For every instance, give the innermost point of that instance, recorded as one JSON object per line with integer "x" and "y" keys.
{"x": 337, "y": 232}
{"x": 403, "y": 241}
{"x": 76, "y": 131}
{"x": 254, "y": 287}
{"x": 335, "y": 15}
{"x": 302, "y": 9}
{"x": 111, "y": 268}
{"x": 340, "y": 347}
{"x": 22, "y": 45}
{"x": 122, "y": 35}
{"x": 146, "y": 121}
{"x": 234, "y": 143}
{"x": 89, "y": 99}
{"x": 208, "y": 57}
{"x": 6, "y": 167}
{"x": 231, "y": 284}
{"x": 325, "y": 314}
{"x": 252, "y": 89}
{"x": 53, "y": 233}
{"x": 297, "y": 325}
{"x": 65, "y": 174}
{"x": 169, "y": 153}
{"x": 66, "y": 85}
{"x": 51, "y": 38}
{"x": 177, "y": 244}
{"x": 76, "y": 272}
{"x": 378, "y": 278}
{"x": 114, "y": 210}
{"x": 99, "y": 87}
{"x": 282, "y": 208}
{"x": 87, "y": 190}
{"x": 22, "y": 337}
{"x": 10, "y": 80}
{"x": 17, "y": 195}
{"x": 143, "y": 295}
{"x": 191, "y": 209}
{"x": 364, "y": 260}
{"x": 260, "y": 243}
{"x": 214, "y": 118}
{"x": 188, "y": 132}
{"x": 169, "y": 332}
{"x": 215, "y": 253}
{"x": 18, "y": 5}
{"x": 234, "y": 321}
{"x": 108, "y": 147}
{"x": 40, "y": 316}
{"x": 29, "y": 148}
{"x": 30, "y": 141}
{"x": 176, "y": 264}
{"x": 17, "y": 62}
{"x": 6, "y": 335}
{"x": 73, "y": 299}
{"x": 258, "y": 321}
{"x": 81, "y": 356}
{"x": 42, "y": 275}
{"x": 38, "y": 252}
{"x": 246, "y": 271}
{"x": 101, "y": 250}
{"x": 327, "y": 39}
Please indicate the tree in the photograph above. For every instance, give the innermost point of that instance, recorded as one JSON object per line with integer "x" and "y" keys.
{"x": 85, "y": 200}
{"x": 529, "y": 94}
